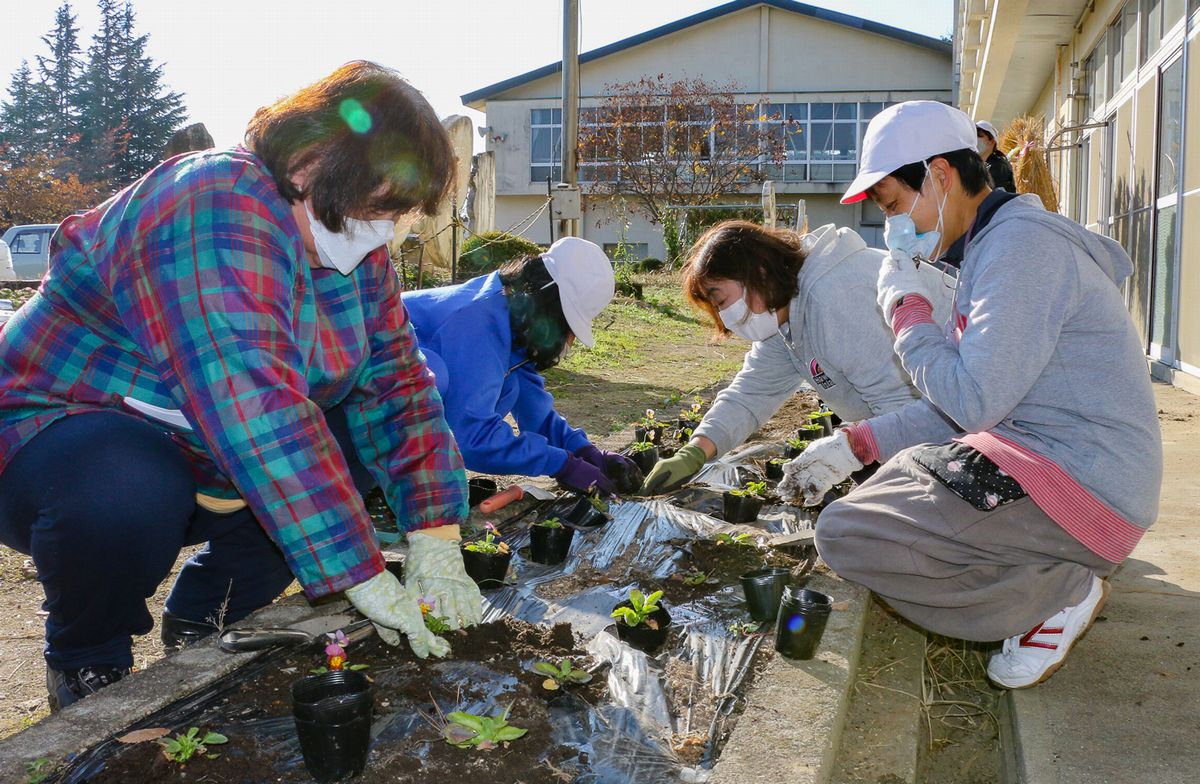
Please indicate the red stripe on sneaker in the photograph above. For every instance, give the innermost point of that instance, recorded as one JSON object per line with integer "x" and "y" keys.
{"x": 1027, "y": 640}
{"x": 1092, "y": 522}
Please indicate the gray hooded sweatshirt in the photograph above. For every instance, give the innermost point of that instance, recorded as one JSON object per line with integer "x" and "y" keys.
{"x": 1046, "y": 356}
{"x": 836, "y": 341}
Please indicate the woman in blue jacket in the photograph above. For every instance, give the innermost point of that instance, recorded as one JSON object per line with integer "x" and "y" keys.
{"x": 487, "y": 341}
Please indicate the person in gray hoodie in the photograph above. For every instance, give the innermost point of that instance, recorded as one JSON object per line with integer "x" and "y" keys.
{"x": 807, "y": 304}
{"x": 1032, "y": 464}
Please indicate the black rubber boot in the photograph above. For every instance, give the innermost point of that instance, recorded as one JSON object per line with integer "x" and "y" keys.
{"x": 178, "y": 633}
{"x": 67, "y": 688}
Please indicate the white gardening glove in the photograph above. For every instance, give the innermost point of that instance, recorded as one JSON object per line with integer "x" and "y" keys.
{"x": 898, "y": 277}
{"x": 434, "y": 567}
{"x": 810, "y": 476}
{"x": 392, "y": 607}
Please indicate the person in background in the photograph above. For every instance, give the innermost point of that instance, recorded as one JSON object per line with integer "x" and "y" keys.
{"x": 1002, "y": 502}
{"x": 487, "y": 341}
{"x": 804, "y": 303}
{"x": 997, "y": 162}
{"x": 212, "y": 353}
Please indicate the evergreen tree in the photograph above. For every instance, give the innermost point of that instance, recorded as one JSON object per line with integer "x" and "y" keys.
{"x": 150, "y": 113}
{"x": 99, "y": 123}
{"x": 22, "y": 128}
{"x": 60, "y": 76}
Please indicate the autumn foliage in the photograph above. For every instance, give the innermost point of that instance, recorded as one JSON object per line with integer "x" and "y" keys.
{"x": 37, "y": 192}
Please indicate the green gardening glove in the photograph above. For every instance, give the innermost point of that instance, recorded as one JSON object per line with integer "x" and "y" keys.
{"x": 395, "y": 611}
{"x": 673, "y": 472}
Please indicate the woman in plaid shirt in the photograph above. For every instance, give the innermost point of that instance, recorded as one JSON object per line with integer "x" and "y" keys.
{"x": 210, "y": 356}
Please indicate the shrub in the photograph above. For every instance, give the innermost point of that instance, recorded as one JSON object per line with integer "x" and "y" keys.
{"x": 484, "y": 253}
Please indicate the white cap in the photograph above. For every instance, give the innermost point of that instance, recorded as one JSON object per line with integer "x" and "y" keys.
{"x": 585, "y": 282}
{"x": 984, "y": 125}
{"x": 905, "y": 133}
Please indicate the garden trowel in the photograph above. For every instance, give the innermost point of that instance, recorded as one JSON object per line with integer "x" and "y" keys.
{"x": 312, "y": 630}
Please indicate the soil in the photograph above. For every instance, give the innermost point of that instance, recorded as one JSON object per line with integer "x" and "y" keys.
{"x": 501, "y": 653}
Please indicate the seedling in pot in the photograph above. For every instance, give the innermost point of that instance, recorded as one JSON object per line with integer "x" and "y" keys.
{"x": 486, "y": 560}
{"x": 641, "y": 622}
{"x": 742, "y": 504}
{"x": 550, "y": 541}
{"x": 560, "y": 676}
{"x": 549, "y": 522}
{"x": 490, "y": 544}
{"x": 744, "y": 628}
{"x": 184, "y": 746}
{"x": 438, "y": 624}
{"x": 811, "y": 432}
{"x": 644, "y": 455}
{"x": 774, "y": 468}
{"x": 685, "y": 434}
{"x": 649, "y": 428}
{"x": 795, "y": 446}
{"x": 467, "y": 730}
{"x": 640, "y": 608}
{"x": 743, "y": 539}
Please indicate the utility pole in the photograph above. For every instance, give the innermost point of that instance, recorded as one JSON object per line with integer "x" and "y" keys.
{"x": 570, "y": 106}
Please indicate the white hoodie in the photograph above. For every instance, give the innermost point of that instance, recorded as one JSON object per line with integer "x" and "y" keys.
{"x": 838, "y": 344}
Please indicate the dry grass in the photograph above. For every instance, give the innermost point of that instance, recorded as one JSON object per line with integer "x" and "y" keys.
{"x": 1024, "y": 142}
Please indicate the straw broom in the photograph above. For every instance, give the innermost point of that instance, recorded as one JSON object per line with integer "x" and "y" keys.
{"x": 1023, "y": 142}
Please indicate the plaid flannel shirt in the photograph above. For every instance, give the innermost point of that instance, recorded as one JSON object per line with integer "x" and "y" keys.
{"x": 191, "y": 290}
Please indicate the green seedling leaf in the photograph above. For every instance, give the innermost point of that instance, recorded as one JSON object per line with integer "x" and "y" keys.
{"x": 468, "y": 720}
{"x": 546, "y": 668}
{"x": 509, "y": 733}
{"x": 214, "y": 739}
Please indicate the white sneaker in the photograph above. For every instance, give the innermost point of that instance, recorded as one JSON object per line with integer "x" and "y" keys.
{"x": 1030, "y": 658}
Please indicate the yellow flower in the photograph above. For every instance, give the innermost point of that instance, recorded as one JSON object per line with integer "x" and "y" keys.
{"x": 336, "y": 662}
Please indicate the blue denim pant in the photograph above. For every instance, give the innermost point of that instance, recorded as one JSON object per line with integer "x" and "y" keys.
{"x": 103, "y": 502}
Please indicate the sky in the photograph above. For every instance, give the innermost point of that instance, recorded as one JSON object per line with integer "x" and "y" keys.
{"x": 230, "y": 57}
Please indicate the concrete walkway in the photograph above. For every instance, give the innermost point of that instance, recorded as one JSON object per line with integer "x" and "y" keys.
{"x": 1126, "y": 705}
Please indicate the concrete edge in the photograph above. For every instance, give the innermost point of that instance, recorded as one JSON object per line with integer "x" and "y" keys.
{"x": 792, "y": 725}
{"x": 1025, "y": 753}
{"x": 75, "y": 729}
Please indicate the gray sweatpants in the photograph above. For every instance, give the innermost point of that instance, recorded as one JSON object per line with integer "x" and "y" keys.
{"x": 949, "y": 567}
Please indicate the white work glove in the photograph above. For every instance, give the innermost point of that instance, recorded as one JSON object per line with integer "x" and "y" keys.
{"x": 392, "y": 607}
{"x": 898, "y": 277}
{"x": 810, "y": 476}
{"x": 434, "y": 567}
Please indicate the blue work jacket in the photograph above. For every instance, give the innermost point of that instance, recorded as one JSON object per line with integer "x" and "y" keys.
{"x": 464, "y": 333}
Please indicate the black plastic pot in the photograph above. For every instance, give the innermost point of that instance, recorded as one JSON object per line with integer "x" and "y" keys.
{"x": 741, "y": 508}
{"x": 549, "y": 545}
{"x": 802, "y": 617}
{"x": 396, "y": 568}
{"x": 642, "y": 636}
{"x": 824, "y": 419}
{"x": 333, "y": 722}
{"x": 811, "y": 432}
{"x": 583, "y": 514}
{"x": 486, "y": 569}
{"x": 834, "y": 419}
{"x": 479, "y": 490}
{"x": 792, "y": 452}
{"x": 645, "y": 459}
{"x": 764, "y": 590}
{"x": 653, "y": 434}
{"x": 774, "y": 470}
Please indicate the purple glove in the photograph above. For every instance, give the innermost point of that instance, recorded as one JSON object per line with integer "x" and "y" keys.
{"x": 581, "y": 476}
{"x": 620, "y": 469}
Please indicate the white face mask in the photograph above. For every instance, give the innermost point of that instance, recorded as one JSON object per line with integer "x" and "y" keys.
{"x": 738, "y": 319}
{"x": 901, "y": 236}
{"x": 344, "y": 250}
{"x": 984, "y": 147}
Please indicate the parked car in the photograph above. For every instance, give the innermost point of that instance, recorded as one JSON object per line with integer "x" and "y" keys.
{"x": 29, "y": 247}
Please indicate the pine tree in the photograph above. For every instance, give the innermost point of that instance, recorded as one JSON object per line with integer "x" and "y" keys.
{"x": 151, "y": 114}
{"x": 22, "y": 128}
{"x": 99, "y": 125}
{"x": 60, "y": 81}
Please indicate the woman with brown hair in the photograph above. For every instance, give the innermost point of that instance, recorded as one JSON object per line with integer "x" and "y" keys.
{"x": 220, "y": 354}
{"x": 806, "y": 304}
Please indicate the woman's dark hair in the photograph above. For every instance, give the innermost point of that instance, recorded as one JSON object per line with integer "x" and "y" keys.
{"x": 972, "y": 171}
{"x": 535, "y": 312}
{"x": 374, "y": 143}
{"x": 764, "y": 260}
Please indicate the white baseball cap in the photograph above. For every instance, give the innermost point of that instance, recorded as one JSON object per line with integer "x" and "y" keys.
{"x": 986, "y": 126}
{"x": 585, "y": 282}
{"x": 905, "y": 133}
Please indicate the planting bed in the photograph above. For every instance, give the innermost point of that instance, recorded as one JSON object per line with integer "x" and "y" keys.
{"x": 642, "y": 718}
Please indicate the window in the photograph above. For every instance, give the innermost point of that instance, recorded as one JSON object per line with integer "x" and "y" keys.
{"x": 28, "y": 242}
{"x": 822, "y": 138}
{"x": 545, "y": 145}
{"x": 1158, "y": 17}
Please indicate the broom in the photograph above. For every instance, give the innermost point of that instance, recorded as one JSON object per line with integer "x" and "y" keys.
{"x": 1023, "y": 142}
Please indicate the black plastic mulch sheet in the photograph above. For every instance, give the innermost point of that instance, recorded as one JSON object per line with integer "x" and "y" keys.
{"x": 685, "y": 694}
